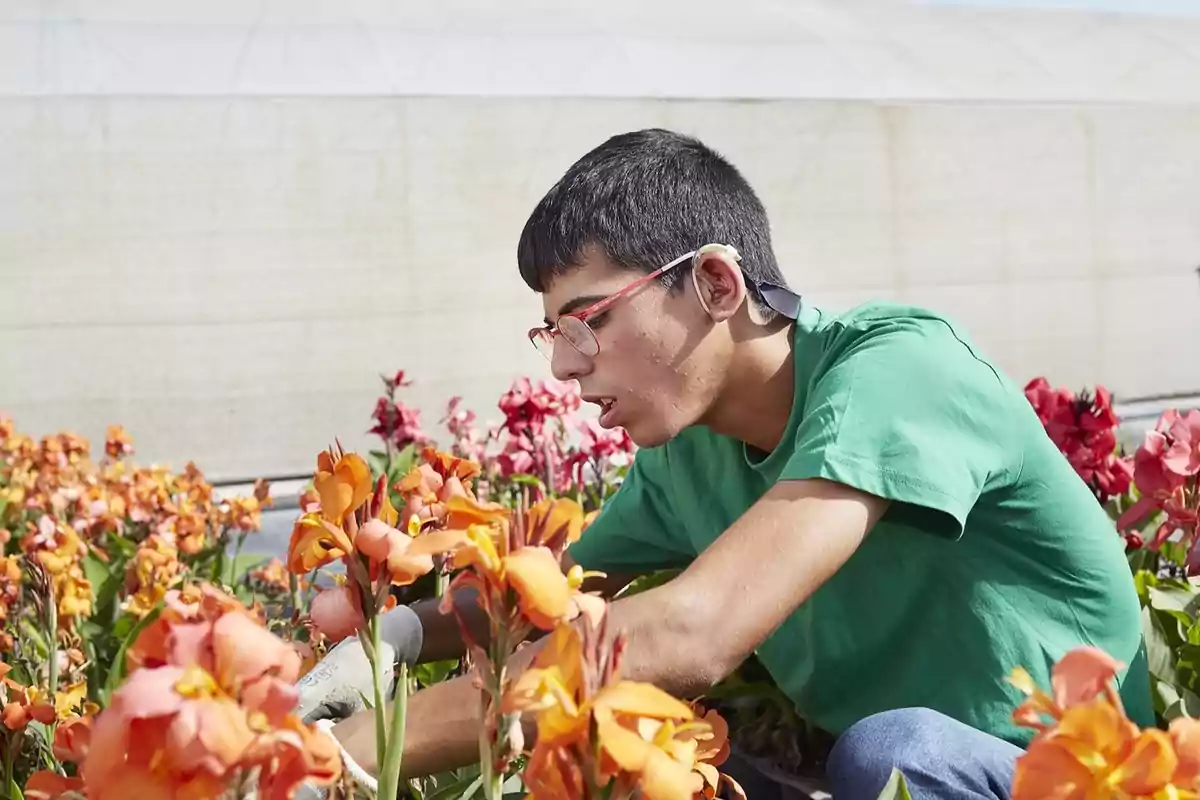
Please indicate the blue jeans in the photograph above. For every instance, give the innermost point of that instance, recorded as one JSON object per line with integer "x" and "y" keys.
{"x": 941, "y": 758}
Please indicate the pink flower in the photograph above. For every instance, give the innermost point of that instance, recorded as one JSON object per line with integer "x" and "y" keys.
{"x": 397, "y": 423}
{"x": 519, "y": 457}
{"x": 1182, "y": 455}
{"x": 526, "y": 408}
{"x": 599, "y": 443}
{"x": 469, "y": 442}
{"x": 1167, "y": 474}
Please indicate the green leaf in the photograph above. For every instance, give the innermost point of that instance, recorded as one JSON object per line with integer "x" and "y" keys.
{"x": 1143, "y": 579}
{"x": 377, "y": 461}
{"x": 1187, "y": 666}
{"x": 527, "y": 480}
{"x": 896, "y": 789}
{"x": 121, "y": 546}
{"x": 432, "y": 672}
{"x": 1177, "y": 598}
{"x": 243, "y": 564}
{"x": 1159, "y": 653}
{"x": 105, "y": 580}
{"x": 1187, "y": 704}
{"x": 649, "y": 581}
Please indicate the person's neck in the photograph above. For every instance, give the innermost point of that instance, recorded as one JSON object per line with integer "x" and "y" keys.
{"x": 759, "y": 389}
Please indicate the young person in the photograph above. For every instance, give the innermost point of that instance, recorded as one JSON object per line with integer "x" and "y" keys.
{"x": 861, "y": 499}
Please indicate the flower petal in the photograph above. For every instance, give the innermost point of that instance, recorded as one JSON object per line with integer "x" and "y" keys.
{"x": 541, "y": 586}
{"x": 555, "y": 523}
{"x": 314, "y": 543}
{"x": 1149, "y": 767}
{"x": 376, "y": 539}
{"x": 462, "y": 512}
{"x": 643, "y": 700}
{"x": 344, "y": 489}
{"x": 1082, "y": 674}
{"x": 336, "y": 613}
{"x": 244, "y": 651}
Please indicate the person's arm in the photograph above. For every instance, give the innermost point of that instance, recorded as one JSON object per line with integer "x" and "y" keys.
{"x": 681, "y": 635}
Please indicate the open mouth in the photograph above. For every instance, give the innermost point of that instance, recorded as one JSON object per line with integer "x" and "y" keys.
{"x": 606, "y": 406}
{"x": 607, "y": 412}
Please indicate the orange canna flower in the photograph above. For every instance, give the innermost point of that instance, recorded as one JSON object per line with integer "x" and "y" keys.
{"x": 173, "y": 721}
{"x": 22, "y": 704}
{"x": 646, "y": 739}
{"x": 357, "y": 524}
{"x": 1185, "y": 737}
{"x": 316, "y": 542}
{"x": 343, "y": 484}
{"x": 555, "y": 523}
{"x": 499, "y": 554}
{"x": 712, "y": 751}
{"x": 1087, "y": 749}
{"x": 47, "y": 785}
{"x": 428, "y": 486}
{"x": 210, "y": 697}
{"x": 290, "y": 755}
{"x": 72, "y": 737}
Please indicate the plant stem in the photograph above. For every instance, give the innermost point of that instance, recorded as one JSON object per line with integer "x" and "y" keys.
{"x": 493, "y": 783}
{"x": 443, "y": 577}
{"x": 218, "y": 565}
{"x": 52, "y": 630}
{"x": 294, "y": 590}
{"x": 10, "y": 780}
{"x": 489, "y": 746}
{"x": 237, "y": 553}
{"x": 389, "y": 774}
{"x": 377, "y": 674}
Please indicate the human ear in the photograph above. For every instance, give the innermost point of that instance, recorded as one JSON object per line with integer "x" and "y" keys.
{"x": 720, "y": 286}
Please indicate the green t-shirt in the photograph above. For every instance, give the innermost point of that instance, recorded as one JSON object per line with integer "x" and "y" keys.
{"x": 994, "y": 554}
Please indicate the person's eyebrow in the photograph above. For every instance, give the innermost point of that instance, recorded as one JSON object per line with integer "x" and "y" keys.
{"x": 583, "y": 301}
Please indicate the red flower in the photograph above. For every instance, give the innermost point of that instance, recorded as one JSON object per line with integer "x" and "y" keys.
{"x": 1084, "y": 429}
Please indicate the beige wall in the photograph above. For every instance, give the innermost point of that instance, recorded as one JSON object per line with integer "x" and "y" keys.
{"x": 227, "y": 278}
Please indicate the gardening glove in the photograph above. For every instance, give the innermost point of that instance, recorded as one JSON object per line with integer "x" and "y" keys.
{"x": 339, "y": 685}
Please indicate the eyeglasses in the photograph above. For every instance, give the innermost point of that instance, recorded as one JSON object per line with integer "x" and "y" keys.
{"x": 574, "y": 328}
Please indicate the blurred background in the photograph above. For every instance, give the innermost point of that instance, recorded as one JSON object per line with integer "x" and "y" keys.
{"x": 222, "y": 221}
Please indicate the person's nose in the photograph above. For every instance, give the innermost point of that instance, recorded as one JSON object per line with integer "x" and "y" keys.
{"x": 567, "y": 363}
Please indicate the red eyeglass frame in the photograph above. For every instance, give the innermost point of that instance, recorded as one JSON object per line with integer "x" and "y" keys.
{"x": 546, "y": 334}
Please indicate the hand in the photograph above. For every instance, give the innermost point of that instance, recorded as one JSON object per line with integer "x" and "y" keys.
{"x": 336, "y": 687}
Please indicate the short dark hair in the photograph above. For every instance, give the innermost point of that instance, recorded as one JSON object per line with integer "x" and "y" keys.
{"x": 643, "y": 199}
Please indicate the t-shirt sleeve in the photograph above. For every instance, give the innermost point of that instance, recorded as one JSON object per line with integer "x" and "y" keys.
{"x": 907, "y": 412}
{"x": 635, "y": 530}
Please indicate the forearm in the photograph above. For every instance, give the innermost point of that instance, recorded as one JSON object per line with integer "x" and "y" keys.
{"x": 441, "y": 730}
{"x": 669, "y": 638}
